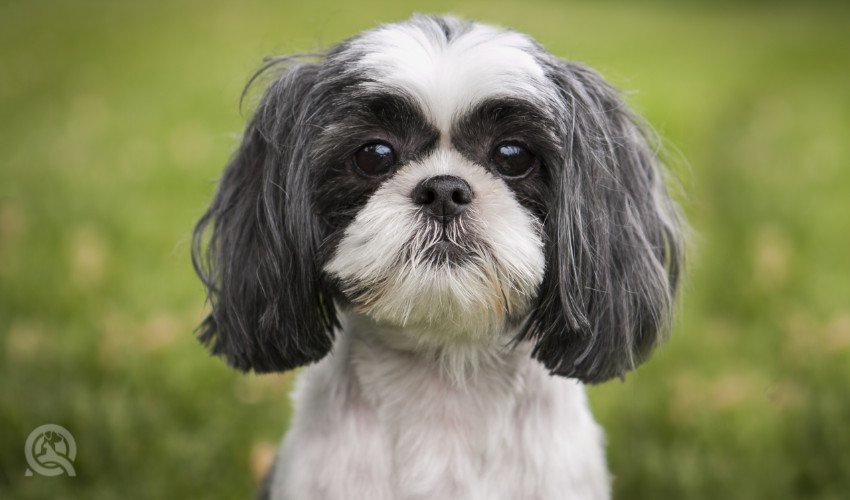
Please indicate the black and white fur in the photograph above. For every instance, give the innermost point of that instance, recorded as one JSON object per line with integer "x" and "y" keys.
{"x": 447, "y": 351}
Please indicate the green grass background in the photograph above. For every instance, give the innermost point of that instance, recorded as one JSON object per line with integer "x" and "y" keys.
{"x": 117, "y": 116}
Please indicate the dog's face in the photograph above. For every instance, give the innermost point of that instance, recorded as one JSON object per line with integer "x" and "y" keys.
{"x": 432, "y": 176}
{"x": 449, "y": 178}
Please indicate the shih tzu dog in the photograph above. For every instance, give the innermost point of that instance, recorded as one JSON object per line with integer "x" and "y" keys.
{"x": 454, "y": 230}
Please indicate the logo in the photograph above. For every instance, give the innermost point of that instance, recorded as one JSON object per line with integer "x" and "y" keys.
{"x": 50, "y": 451}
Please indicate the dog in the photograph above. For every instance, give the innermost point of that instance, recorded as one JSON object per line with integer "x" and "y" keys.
{"x": 454, "y": 231}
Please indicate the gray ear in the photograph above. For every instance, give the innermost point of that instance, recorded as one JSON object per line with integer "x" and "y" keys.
{"x": 269, "y": 312}
{"x": 615, "y": 244}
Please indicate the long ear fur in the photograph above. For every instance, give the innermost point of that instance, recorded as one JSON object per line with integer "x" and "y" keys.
{"x": 268, "y": 307}
{"x": 614, "y": 249}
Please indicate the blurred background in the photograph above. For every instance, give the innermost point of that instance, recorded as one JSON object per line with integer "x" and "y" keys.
{"x": 116, "y": 117}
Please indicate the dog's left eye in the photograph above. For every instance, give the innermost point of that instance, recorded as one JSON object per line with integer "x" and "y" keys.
{"x": 375, "y": 159}
{"x": 512, "y": 160}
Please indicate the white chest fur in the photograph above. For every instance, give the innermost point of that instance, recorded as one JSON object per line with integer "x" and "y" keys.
{"x": 373, "y": 422}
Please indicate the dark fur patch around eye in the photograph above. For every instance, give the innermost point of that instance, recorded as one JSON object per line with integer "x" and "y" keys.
{"x": 506, "y": 120}
{"x": 356, "y": 118}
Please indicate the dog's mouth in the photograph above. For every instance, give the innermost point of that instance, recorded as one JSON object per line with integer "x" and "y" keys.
{"x": 445, "y": 253}
{"x": 449, "y": 244}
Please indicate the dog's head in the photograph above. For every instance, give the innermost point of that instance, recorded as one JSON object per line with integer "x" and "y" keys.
{"x": 450, "y": 177}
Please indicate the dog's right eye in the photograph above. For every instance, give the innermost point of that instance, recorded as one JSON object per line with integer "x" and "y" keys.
{"x": 375, "y": 159}
{"x": 513, "y": 160}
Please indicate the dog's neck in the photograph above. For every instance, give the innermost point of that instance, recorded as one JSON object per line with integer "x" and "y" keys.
{"x": 417, "y": 423}
{"x": 460, "y": 395}
{"x": 459, "y": 363}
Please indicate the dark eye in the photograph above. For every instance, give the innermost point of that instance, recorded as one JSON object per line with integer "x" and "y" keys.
{"x": 375, "y": 159}
{"x": 512, "y": 160}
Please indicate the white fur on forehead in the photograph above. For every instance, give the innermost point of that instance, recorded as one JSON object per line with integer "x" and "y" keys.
{"x": 448, "y": 76}
{"x": 379, "y": 259}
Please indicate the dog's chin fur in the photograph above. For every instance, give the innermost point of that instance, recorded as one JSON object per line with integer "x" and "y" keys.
{"x": 446, "y": 348}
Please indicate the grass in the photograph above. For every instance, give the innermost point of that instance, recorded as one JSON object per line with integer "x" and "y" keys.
{"x": 117, "y": 116}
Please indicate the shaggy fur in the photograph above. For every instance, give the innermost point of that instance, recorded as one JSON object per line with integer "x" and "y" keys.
{"x": 448, "y": 344}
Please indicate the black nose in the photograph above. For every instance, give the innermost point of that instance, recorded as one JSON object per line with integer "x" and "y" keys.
{"x": 443, "y": 196}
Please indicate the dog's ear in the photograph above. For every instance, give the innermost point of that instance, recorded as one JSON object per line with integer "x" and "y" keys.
{"x": 614, "y": 239}
{"x": 269, "y": 312}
